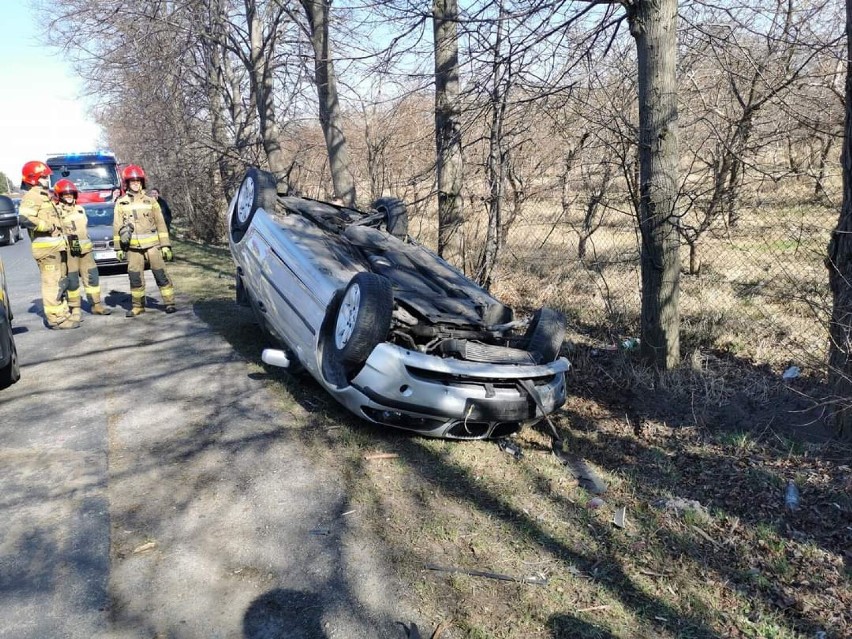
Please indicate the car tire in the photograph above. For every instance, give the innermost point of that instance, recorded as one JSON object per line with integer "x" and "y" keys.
{"x": 11, "y": 372}
{"x": 362, "y": 320}
{"x": 545, "y": 335}
{"x": 257, "y": 191}
{"x": 12, "y": 237}
{"x": 396, "y": 215}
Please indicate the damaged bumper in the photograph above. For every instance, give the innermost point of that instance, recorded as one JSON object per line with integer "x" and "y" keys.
{"x": 443, "y": 397}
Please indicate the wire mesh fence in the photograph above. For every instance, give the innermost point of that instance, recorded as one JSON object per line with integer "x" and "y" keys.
{"x": 756, "y": 288}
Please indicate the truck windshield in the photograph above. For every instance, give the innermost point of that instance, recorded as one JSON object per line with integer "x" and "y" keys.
{"x": 87, "y": 178}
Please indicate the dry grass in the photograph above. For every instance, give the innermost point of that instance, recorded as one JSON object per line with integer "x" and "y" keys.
{"x": 761, "y": 292}
{"x": 715, "y": 433}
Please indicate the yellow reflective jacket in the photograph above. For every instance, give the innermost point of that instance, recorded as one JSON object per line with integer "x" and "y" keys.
{"x": 38, "y": 208}
{"x": 75, "y": 222}
{"x": 143, "y": 212}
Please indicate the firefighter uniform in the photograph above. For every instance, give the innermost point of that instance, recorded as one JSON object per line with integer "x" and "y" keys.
{"x": 50, "y": 250}
{"x": 81, "y": 262}
{"x": 138, "y": 220}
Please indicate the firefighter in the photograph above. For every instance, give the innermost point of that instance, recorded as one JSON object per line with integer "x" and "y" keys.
{"x": 48, "y": 244}
{"x": 140, "y": 233}
{"x": 81, "y": 262}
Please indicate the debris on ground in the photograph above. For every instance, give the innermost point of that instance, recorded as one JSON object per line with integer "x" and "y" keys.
{"x": 791, "y": 496}
{"x": 595, "y": 502}
{"x": 679, "y": 505}
{"x": 508, "y": 446}
{"x": 583, "y": 473}
{"x": 791, "y": 373}
{"x": 372, "y": 456}
{"x": 620, "y": 516}
{"x": 539, "y": 580}
{"x": 144, "y": 547}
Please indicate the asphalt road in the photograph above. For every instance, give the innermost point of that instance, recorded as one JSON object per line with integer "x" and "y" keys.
{"x": 150, "y": 488}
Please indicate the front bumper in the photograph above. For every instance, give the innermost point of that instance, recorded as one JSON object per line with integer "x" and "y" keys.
{"x": 455, "y": 399}
{"x": 104, "y": 253}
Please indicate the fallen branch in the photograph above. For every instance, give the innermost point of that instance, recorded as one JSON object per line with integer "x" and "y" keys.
{"x": 539, "y": 581}
{"x": 371, "y": 456}
{"x": 604, "y": 607}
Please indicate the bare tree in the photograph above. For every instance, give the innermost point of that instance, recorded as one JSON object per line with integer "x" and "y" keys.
{"x": 839, "y": 263}
{"x": 448, "y": 137}
{"x": 654, "y": 26}
{"x": 330, "y": 117}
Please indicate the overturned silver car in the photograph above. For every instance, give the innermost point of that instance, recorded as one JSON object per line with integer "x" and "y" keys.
{"x": 388, "y": 328}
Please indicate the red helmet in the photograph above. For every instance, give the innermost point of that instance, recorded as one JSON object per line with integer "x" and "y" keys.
{"x": 63, "y": 187}
{"x": 33, "y": 171}
{"x": 132, "y": 172}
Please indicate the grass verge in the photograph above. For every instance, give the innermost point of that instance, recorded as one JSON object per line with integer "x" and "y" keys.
{"x": 696, "y": 460}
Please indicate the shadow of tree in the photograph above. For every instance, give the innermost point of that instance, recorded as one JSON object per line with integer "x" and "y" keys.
{"x": 716, "y": 481}
{"x": 284, "y": 614}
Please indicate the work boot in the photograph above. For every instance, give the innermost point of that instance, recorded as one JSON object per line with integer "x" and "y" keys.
{"x": 76, "y": 314}
{"x": 170, "y": 308}
{"x": 135, "y": 311}
{"x": 100, "y": 309}
{"x": 65, "y": 324}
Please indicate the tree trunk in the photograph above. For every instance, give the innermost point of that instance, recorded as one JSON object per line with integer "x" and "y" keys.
{"x": 495, "y": 170}
{"x": 449, "y": 162}
{"x": 653, "y": 24}
{"x": 694, "y": 260}
{"x": 263, "y": 87}
{"x": 839, "y": 264}
{"x": 819, "y": 187}
{"x": 213, "y": 60}
{"x": 329, "y": 105}
{"x": 495, "y": 199}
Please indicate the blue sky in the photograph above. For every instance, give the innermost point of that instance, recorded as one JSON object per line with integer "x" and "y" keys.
{"x": 41, "y": 110}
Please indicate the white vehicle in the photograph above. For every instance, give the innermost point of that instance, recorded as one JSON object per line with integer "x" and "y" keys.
{"x": 388, "y": 328}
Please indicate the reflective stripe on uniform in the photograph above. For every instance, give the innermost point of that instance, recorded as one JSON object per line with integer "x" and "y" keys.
{"x": 137, "y": 294}
{"x": 74, "y": 295}
{"x": 92, "y": 290}
{"x": 86, "y": 246}
{"x": 138, "y": 206}
{"x": 146, "y": 240}
{"x": 48, "y": 242}
{"x": 167, "y": 291}
{"x": 164, "y": 238}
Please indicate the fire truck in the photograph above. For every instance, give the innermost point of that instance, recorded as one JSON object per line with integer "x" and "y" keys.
{"x": 95, "y": 174}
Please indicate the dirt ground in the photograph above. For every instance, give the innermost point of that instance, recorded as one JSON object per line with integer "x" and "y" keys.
{"x": 698, "y": 461}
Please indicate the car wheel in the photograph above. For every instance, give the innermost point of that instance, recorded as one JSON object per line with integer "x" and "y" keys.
{"x": 362, "y": 320}
{"x": 12, "y": 237}
{"x": 545, "y": 335}
{"x": 11, "y": 372}
{"x": 396, "y": 215}
{"x": 257, "y": 190}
